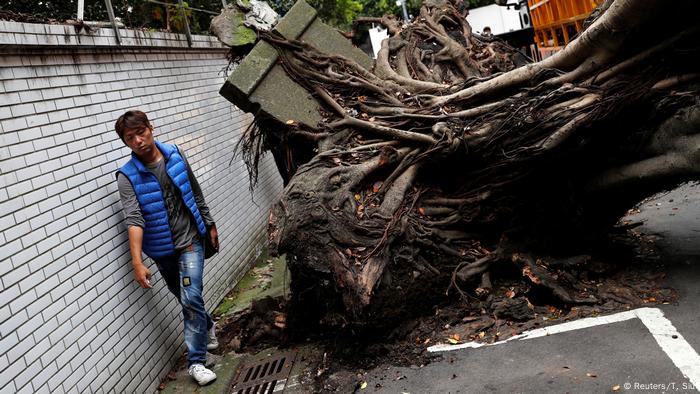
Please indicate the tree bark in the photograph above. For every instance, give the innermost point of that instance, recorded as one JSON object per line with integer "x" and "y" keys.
{"x": 453, "y": 158}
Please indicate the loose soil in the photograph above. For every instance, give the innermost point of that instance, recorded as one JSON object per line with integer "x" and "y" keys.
{"x": 628, "y": 275}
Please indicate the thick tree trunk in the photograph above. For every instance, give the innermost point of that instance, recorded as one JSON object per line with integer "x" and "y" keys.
{"x": 453, "y": 159}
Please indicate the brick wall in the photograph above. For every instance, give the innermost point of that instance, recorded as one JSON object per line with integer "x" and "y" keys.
{"x": 73, "y": 319}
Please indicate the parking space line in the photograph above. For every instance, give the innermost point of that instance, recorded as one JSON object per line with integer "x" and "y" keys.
{"x": 544, "y": 331}
{"x": 683, "y": 356}
{"x": 672, "y": 343}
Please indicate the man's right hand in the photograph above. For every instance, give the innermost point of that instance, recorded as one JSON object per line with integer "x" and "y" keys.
{"x": 143, "y": 276}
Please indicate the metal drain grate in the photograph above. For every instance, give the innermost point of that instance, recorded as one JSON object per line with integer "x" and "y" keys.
{"x": 262, "y": 374}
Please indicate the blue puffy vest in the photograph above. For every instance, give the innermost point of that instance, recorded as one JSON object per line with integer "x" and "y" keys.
{"x": 157, "y": 236}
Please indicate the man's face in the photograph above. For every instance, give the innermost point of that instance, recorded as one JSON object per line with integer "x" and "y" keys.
{"x": 140, "y": 141}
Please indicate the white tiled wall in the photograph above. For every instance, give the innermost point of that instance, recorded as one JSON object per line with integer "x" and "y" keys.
{"x": 72, "y": 318}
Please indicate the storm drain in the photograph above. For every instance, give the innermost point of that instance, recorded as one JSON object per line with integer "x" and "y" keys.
{"x": 264, "y": 374}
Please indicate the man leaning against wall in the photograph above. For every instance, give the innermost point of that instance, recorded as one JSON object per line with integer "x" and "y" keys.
{"x": 168, "y": 219}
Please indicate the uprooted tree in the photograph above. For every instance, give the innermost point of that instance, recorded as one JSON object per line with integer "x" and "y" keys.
{"x": 454, "y": 160}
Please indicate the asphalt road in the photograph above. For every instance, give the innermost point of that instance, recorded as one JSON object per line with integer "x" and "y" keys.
{"x": 626, "y": 356}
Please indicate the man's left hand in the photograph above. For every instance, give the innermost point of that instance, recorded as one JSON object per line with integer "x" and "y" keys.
{"x": 214, "y": 236}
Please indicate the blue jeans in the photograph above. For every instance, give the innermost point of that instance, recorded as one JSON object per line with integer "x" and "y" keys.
{"x": 183, "y": 274}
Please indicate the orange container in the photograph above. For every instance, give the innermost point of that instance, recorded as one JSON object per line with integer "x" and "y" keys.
{"x": 556, "y": 22}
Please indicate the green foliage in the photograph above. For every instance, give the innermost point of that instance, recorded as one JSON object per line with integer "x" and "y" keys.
{"x": 341, "y": 13}
{"x": 133, "y": 13}
{"x": 142, "y": 14}
{"x": 338, "y": 13}
{"x": 176, "y": 21}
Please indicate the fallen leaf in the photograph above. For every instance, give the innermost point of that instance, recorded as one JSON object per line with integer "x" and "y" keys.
{"x": 528, "y": 272}
{"x": 290, "y": 121}
{"x": 455, "y": 336}
{"x": 452, "y": 341}
{"x": 358, "y": 197}
{"x": 377, "y": 185}
{"x": 482, "y": 334}
{"x": 281, "y": 321}
{"x": 421, "y": 210}
{"x": 161, "y": 387}
{"x": 616, "y": 388}
{"x": 363, "y": 386}
{"x": 336, "y": 160}
{"x": 510, "y": 294}
{"x": 427, "y": 341}
{"x": 591, "y": 375}
{"x": 482, "y": 291}
{"x": 171, "y": 376}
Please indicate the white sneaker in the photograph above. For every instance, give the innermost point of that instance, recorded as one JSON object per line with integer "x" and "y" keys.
{"x": 201, "y": 374}
{"x": 212, "y": 342}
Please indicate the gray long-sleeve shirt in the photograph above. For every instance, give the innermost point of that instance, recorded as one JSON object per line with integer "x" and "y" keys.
{"x": 182, "y": 224}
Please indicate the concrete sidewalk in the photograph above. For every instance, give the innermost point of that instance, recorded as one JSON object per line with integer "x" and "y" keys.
{"x": 267, "y": 278}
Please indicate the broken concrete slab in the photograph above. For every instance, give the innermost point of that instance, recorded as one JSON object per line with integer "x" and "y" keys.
{"x": 259, "y": 83}
{"x": 224, "y": 370}
{"x": 233, "y": 25}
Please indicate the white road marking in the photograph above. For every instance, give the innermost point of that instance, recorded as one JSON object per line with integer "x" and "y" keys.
{"x": 672, "y": 343}
{"x": 545, "y": 331}
{"x": 683, "y": 356}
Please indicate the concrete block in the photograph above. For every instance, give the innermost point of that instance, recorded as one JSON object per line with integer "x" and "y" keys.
{"x": 33, "y": 237}
{"x": 57, "y": 379}
{"x": 72, "y": 379}
{"x": 22, "y": 148}
{"x": 36, "y": 351}
{"x": 29, "y": 95}
{"x": 56, "y": 337}
{"x": 70, "y": 91}
{"x": 15, "y": 85}
{"x": 21, "y": 348}
{"x": 18, "y": 273}
{"x": 6, "y": 222}
{"x": 50, "y": 94}
{"x": 34, "y": 28}
{"x": 17, "y": 189}
{"x": 39, "y": 382}
{"x": 37, "y": 120}
{"x": 5, "y": 112}
{"x": 12, "y": 27}
{"x": 37, "y": 156}
{"x": 38, "y": 221}
{"x": 34, "y": 196}
{"x": 64, "y": 103}
{"x": 13, "y": 124}
{"x": 22, "y": 109}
